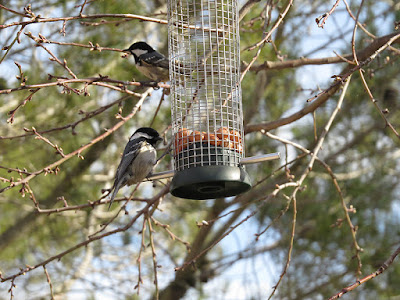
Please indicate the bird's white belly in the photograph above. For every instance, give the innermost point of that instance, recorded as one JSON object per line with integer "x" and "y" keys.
{"x": 143, "y": 164}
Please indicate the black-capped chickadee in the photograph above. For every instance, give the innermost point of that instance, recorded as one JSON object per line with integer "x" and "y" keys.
{"x": 138, "y": 159}
{"x": 149, "y": 62}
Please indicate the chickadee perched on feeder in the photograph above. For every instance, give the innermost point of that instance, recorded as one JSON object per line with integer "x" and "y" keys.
{"x": 149, "y": 62}
{"x": 138, "y": 159}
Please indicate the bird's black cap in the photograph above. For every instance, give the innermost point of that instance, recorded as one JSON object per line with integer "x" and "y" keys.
{"x": 139, "y": 45}
{"x": 151, "y": 135}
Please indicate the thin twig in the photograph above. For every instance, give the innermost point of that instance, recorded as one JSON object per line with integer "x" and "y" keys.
{"x": 19, "y": 171}
{"x": 120, "y": 209}
{"x": 261, "y": 43}
{"x": 322, "y": 19}
{"x": 22, "y": 104}
{"x": 158, "y": 108}
{"x": 353, "y": 38}
{"x": 232, "y": 228}
{"x": 381, "y": 269}
{"x": 170, "y": 233}
{"x": 335, "y": 182}
{"x": 98, "y": 16}
{"x": 78, "y": 151}
{"x": 375, "y": 103}
{"x": 304, "y": 175}
{"x": 11, "y": 289}
{"x": 373, "y": 100}
{"x": 276, "y": 25}
{"x": 82, "y": 7}
{"x": 121, "y": 85}
{"x": 39, "y": 40}
{"x": 282, "y": 212}
{"x": 88, "y": 115}
{"x": 90, "y": 45}
{"x": 323, "y": 96}
{"x": 154, "y": 256}
{"x": 13, "y": 11}
{"x": 138, "y": 260}
{"x": 31, "y": 195}
{"x": 27, "y": 269}
{"x": 58, "y": 149}
{"x": 16, "y": 39}
{"x": 82, "y": 206}
{"x": 49, "y": 282}
{"x": 305, "y": 61}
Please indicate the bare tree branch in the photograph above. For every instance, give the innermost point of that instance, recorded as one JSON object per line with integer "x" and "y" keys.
{"x": 381, "y": 269}
{"x": 366, "y": 56}
{"x": 150, "y": 203}
{"x": 78, "y": 151}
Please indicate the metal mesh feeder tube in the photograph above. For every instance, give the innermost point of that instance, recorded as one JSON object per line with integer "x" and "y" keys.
{"x": 206, "y": 106}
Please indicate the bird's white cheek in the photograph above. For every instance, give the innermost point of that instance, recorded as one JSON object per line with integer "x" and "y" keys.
{"x": 139, "y": 52}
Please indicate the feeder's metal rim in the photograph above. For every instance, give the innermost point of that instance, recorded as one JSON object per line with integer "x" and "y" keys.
{"x": 259, "y": 158}
{"x": 244, "y": 161}
{"x": 161, "y": 175}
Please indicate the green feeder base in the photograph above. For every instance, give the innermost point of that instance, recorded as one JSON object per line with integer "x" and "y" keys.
{"x": 209, "y": 182}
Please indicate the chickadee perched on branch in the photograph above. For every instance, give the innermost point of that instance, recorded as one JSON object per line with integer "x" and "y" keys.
{"x": 149, "y": 62}
{"x": 138, "y": 159}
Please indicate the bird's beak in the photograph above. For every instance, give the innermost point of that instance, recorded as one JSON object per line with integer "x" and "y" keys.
{"x": 126, "y": 51}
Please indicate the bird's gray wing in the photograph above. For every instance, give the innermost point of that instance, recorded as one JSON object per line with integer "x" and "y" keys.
{"x": 156, "y": 59}
{"x": 130, "y": 153}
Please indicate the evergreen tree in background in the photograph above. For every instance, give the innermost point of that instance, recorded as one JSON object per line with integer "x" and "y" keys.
{"x": 69, "y": 101}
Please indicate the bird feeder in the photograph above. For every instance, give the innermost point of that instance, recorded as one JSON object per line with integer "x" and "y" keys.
{"x": 206, "y": 104}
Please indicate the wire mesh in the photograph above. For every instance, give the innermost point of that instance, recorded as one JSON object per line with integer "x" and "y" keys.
{"x": 206, "y": 106}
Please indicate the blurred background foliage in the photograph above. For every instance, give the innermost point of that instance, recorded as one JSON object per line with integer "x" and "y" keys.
{"x": 360, "y": 150}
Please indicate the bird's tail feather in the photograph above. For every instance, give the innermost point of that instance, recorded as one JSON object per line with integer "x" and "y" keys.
{"x": 116, "y": 188}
